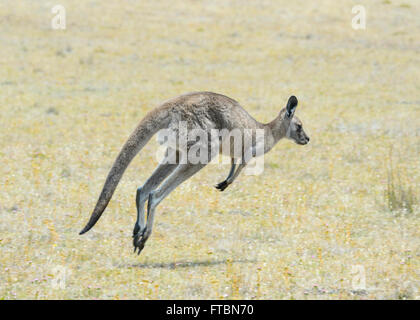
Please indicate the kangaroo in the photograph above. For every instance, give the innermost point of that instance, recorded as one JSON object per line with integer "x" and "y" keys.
{"x": 205, "y": 110}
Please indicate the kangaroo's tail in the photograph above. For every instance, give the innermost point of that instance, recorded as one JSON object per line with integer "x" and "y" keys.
{"x": 152, "y": 122}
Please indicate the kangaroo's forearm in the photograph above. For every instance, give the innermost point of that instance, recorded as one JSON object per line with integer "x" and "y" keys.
{"x": 224, "y": 184}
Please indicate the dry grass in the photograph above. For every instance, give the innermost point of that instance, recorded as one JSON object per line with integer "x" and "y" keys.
{"x": 399, "y": 196}
{"x": 69, "y": 99}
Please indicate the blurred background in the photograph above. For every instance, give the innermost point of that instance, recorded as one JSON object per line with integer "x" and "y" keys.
{"x": 336, "y": 219}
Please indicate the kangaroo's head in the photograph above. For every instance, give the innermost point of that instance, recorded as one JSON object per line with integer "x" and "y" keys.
{"x": 294, "y": 126}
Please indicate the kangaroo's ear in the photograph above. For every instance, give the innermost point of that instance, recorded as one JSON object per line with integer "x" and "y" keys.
{"x": 291, "y": 107}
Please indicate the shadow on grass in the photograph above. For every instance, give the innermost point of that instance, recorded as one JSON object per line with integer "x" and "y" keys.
{"x": 185, "y": 264}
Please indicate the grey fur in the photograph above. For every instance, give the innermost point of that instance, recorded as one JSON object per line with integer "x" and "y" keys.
{"x": 205, "y": 110}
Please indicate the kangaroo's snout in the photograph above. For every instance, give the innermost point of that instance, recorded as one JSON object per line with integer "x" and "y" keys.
{"x": 304, "y": 141}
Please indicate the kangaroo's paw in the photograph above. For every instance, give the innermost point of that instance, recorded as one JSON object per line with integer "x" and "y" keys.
{"x": 139, "y": 240}
{"x": 222, "y": 185}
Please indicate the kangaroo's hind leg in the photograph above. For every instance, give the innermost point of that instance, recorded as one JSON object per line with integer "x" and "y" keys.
{"x": 182, "y": 173}
{"x": 161, "y": 172}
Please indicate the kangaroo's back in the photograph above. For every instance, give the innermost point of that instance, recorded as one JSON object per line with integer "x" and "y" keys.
{"x": 208, "y": 110}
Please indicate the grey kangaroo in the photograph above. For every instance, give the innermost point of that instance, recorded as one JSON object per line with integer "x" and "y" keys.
{"x": 207, "y": 111}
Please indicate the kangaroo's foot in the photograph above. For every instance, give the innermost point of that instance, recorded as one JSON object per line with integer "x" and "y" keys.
{"x": 143, "y": 234}
{"x": 136, "y": 229}
{"x": 140, "y": 200}
{"x": 222, "y": 185}
{"x": 140, "y": 239}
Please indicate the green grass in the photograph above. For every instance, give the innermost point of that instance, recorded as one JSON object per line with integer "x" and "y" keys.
{"x": 69, "y": 100}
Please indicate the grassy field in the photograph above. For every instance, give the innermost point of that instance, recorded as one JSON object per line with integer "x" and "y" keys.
{"x": 318, "y": 220}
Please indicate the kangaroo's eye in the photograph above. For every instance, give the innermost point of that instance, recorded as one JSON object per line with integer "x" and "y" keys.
{"x": 299, "y": 127}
